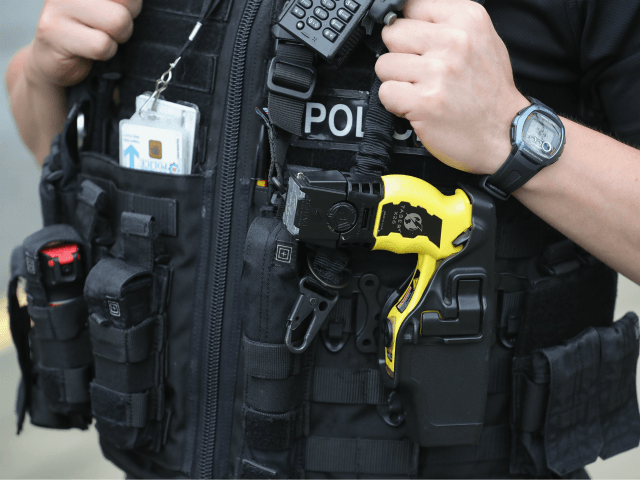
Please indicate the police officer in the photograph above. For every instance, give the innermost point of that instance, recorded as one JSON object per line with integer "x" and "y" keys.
{"x": 449, "y": 73}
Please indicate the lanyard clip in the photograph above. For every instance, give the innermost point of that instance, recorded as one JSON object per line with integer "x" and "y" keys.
{"x": 309, "y": 313}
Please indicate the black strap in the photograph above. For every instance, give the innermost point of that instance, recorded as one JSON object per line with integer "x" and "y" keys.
{"x": 61, "y": 322}
{"x": 270, "y": 361}
{"x": 292, "y": 70}
{"x": 494, "y": 444}
{"x": 336, "y": 385}
{"x": 363, "y": 456}
{"x": 139, "y": 230}
{"x": 127, "y": 409}
{"x": 68, "y": 385}
{"x": 130, "y": 377}
{"x": 19, "y": 325}
{"x": 124, "y": 346}
{"x": 72, "y": 353}
{"x": 274, "y": 396}
{"x": 91, "y": 200}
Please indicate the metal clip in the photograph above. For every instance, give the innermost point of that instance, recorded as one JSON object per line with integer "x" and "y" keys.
{"x": 309, "y": 314}
{"x": 161, "y": 85}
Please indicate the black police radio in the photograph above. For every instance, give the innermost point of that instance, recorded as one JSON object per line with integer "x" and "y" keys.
{"x": 332, "y": 28}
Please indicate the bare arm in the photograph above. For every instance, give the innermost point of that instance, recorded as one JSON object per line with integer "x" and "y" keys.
{"x": 592, "y": 195}
{"x": 448, "y": 72}
{"x": 70, "y": 35}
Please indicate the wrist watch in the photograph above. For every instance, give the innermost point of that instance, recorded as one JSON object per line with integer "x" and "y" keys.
{"x": 537, "y": 141}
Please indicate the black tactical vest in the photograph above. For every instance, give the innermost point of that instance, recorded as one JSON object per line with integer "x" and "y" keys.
{"x": 201, "y": 384}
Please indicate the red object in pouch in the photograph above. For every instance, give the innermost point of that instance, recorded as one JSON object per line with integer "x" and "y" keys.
{"x": 62, "y": 272}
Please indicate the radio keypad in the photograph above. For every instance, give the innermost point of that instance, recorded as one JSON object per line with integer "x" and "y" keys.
{"x": 336, "y": 24}
{"x": 314, "y": 23}
{"x": 352, "y": 5}
{"x": 344, "y": 15}
{"x": 335, "y": 19}
{"x": 330, "y": 35}
{"x": 298, "y": 12}
{"x": 321, "y": 13}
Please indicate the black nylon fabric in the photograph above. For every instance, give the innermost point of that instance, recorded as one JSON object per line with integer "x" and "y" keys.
{"x": 201, "y": 78}
{"x": 577, "y": 401}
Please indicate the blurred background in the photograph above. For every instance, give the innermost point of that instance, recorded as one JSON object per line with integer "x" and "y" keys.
{"x": 42, "y": 453}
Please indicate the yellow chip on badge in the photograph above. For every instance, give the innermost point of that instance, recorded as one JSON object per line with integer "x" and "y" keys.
{"x": 155, "y": 149}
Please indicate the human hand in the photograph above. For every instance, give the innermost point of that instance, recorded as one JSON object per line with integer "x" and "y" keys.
{"x": 73, "y": 33}
{"x": 448, "y": 72}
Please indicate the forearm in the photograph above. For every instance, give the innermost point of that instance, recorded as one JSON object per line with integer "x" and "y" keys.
{"x": 592, "y": 195}
{"x": 38, "y": 106}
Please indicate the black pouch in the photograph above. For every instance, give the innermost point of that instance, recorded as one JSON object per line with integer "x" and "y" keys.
{"x": 54, "y": 355}
{"x": 128, "y": 339}
{"x": 275, "y": 413}
{"x": 150, "y": 225}
{"x": 576, "y": 401}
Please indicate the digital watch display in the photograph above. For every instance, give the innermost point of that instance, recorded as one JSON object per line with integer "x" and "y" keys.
{"x": 537, "y": 141}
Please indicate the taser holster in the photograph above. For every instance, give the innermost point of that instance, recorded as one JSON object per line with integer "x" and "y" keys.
{"x": 442, "y": 349}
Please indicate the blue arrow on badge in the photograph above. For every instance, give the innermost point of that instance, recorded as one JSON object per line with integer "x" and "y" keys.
{"x": 132, "y": 153}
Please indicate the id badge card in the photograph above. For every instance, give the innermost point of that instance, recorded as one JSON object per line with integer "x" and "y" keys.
{"x": 160, "y": 138}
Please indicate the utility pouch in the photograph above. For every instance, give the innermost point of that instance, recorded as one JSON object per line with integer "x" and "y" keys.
{"x": 275, "y": 411}
{"x": 55, "y": 354}
{"x": 59, "y": 180}
{"x": 127, "y": 337}
{"x": 575, "y": 402}
{"x": 442, "y": 351}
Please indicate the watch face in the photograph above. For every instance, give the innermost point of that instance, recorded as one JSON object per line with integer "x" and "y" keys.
{"x": 542, "y": 135}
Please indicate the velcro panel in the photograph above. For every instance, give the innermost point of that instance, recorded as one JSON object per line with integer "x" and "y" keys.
{"x": 270, "y": 361}
{"x": 355, "y": 455}
{"x": 336, "y": 385}
{"x": 617, "y": 386}
{"x": 123, "y": 409}
{"x": 270, "y": 431}
{"x": 573, "y": 436}
{"x": 69, "y": 385}
{"x": 62, "y": 322}
{"x": 123, "y": 346}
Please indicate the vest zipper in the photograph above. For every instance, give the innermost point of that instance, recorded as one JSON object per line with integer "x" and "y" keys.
{"x": 223, "y": 234}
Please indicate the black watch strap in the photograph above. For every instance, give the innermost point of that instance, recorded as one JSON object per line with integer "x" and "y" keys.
{"x": 514, "y": 173}
{"x": 517, "y": 169}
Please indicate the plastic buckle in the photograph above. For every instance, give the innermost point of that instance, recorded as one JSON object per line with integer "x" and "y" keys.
{"x": 289, "y": 92}
{"x": 309, "y": 314}
{"x": 492, "y": 189}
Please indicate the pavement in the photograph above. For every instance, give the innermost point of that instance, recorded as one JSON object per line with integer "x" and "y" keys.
{"x": 42, "y": 453}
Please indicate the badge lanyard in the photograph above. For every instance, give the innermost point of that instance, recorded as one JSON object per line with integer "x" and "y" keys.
{"x": 163, "y": 82}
